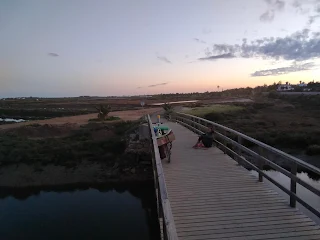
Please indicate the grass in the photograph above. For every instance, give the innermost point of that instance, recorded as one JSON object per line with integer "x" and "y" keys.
{"x": 277, "y": 123}
{"x": 217, "y": 108}
{"x": 39, "y": 114}
{"x": 68, "y": 151}
{"x": 110, "y": 118}
{"x": 313, "y": 150}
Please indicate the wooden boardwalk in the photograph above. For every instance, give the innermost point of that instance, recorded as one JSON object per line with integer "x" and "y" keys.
{"x": 213, "y": 198}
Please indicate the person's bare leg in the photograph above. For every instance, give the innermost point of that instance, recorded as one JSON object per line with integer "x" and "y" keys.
{"x": 198, "y": 142}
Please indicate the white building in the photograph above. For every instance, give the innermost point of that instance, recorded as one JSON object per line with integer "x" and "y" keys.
{"x": 302, "y": 84}
{"x": 285, "y": 87}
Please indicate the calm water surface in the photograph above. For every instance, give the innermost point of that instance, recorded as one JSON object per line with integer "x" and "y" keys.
{"x": 91, "y": 213}
{"x": 162, "y": 103}
{"x": 11, "y": 120}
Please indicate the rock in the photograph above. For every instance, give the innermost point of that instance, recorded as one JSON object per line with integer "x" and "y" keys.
{"x": 144, "y": 131}
{"x": 145, "y": 163}
{"x": 133, "y": 170}
{"x": 139, "y": 146}
{"x": 132, "y": 136}
{"x": 116, "y": 165}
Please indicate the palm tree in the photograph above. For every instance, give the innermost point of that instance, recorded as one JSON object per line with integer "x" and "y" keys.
{"x": 218, "y": 87}
{"x": 103, "y": 112}
{"x": 168, "y": 108}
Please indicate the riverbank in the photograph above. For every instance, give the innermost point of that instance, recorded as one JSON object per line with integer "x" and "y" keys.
{"x": 49, "y": 155}
{"x": 85, "y": 173}
{"x": 129, "y": 115}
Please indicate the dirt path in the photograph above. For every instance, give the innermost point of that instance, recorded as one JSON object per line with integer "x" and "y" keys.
{"x": 83, "y": 119}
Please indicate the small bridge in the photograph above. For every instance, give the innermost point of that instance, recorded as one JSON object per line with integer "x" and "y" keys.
{"x": 207, "y": 194}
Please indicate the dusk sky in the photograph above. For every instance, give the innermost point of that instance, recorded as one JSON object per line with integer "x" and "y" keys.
{"x": 81, "y": 47}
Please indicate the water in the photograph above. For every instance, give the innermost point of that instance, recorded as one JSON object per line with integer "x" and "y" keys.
{"x": 92, "y": 213}
{"x": 308, "y": 196}
{"x": 11, "y": 120}
{"x": 159, "y": 104}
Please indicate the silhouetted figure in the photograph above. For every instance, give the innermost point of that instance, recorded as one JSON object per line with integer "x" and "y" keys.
{"x": 205, "y": 140}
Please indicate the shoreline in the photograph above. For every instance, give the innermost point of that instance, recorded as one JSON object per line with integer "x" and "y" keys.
{"x": 127, "y": 115}
{"x": 27, "y": 191}
{"x": 25, "y": 176}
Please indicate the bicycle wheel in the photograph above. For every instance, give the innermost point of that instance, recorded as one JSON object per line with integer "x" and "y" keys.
{"x": 168, "y": 151}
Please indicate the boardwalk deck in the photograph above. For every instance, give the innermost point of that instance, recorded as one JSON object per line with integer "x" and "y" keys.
{"x": 213, "y": 198}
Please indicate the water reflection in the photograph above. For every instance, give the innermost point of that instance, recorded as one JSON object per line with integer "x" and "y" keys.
{"x": 162, "y": 103}
{"x": 81, "y": 212}
{"x": 11, "y": 120}
{"x": 308, "y": 196}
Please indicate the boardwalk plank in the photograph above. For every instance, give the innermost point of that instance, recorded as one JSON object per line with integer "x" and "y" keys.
{"x": 248, "y": 226}
{"x": 212, "y": 197}
{"x": 244, "y": 232}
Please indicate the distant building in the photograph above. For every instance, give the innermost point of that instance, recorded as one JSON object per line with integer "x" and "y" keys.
{"x": 285, "y": 87}
{"x": 302, "y": 84}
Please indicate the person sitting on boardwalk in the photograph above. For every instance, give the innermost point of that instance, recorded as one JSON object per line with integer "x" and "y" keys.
{"x": 205, "y": 140}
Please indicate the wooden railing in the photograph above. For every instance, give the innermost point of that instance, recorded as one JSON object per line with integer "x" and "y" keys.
{"x": 237, "y": 145}
{"x": 168, "y": 229}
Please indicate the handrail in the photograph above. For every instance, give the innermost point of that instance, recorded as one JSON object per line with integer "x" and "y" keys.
{"x": 194, "y": 123}
{"x": 163, "y": 204}
{"x": 261, "y": 144}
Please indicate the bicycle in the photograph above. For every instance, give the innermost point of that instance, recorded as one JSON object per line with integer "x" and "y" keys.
{"x": 164, "y": 139}
{"x": 168, "y": 151}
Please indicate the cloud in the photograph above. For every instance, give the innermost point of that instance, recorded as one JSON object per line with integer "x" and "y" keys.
{"x": 155, "y": 85}
{"x": 284, "y": 70}
{"x": 313, "y": 18}
{"x": 164, "y": 59}
{"x": 298, "y": 46}
{"x": 308, "y": 6}
{"x": 216, "y": 57}
{"x": 199, "y": 40}
{"x": 279, "y": 5}
{"x": 159, "y": 84}
{"x": 53, "y": 54}
{"x": 305, "y": 6}
{"x": 268, "y": 16}
{"x": 272, "y": 7}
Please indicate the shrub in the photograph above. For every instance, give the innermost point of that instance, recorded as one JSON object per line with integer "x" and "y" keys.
{"x": 121, "y": 128}
{"x": 273, "y": 94}
{"x": 111, "y": 118}
{"x": 261, "y": 105}
{"x": 313, "y": 150}
{"x": 66, "y": 151}
{"x": 214, "y": 116}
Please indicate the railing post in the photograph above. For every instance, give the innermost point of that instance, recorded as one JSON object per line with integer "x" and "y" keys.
{"x": 164, "y": 227}
{"x": 239, "y": 149}
{"x": 224, "y": 132}
{"x": 198, "y": 121}
{"x": 293, "y": 185}
{"x": 205, "y": 124}
{"x": 260, "y": 163}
